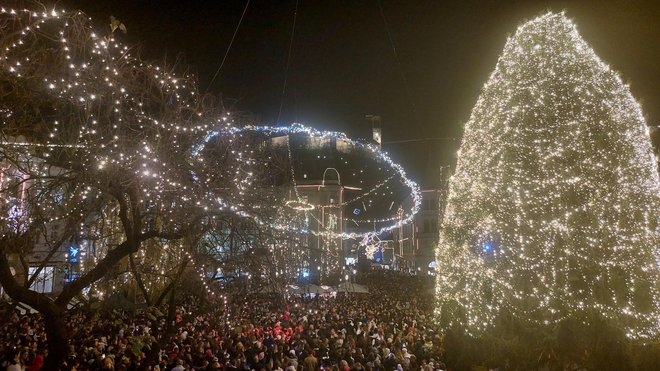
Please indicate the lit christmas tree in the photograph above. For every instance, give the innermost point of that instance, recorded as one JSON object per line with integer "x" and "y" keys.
{"x": 553, "y": 212}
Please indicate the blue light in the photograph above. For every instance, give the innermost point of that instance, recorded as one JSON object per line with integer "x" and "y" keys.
{"x": 305, "y": 274}
{"x": 73, "y": 254}
{"x": 487, "y": 248}
{"x": 356, "y": 211}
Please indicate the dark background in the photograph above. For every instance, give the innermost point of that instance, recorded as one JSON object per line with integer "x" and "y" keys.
{"x": 343, "y": 65}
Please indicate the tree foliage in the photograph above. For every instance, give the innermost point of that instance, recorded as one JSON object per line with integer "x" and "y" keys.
{"x": 552, "y": 215}
{"x": 96, "y": 152}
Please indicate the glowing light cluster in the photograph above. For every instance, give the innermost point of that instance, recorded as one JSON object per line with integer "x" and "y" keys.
{"x": 110, "y": 117}
{"x": 116, "y": 126}
{"x": 392, "y": 221}
{"x": 553, "y": 210}
{"x": 371, "y": 244}
{"x": 104, "y": 116}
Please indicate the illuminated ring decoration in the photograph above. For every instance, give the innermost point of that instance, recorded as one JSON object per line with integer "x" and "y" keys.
{"x": 299, "y": 205}
{"x": 406, "y": 218}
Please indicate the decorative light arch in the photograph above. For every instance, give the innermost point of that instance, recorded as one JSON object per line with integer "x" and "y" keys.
{"x": 314, "y": 133}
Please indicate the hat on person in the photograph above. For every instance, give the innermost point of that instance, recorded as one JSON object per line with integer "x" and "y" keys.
{"x": 292, "y": 352}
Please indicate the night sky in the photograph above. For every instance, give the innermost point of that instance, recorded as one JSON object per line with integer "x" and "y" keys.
{"x": 343, "y": 65}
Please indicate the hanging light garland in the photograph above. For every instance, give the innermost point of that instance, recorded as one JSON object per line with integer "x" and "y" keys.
{"x": 299, "y": 204}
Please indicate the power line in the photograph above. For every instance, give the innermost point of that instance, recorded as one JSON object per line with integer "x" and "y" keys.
{"x": 288, "y": 62}
{"x": 231, "y": 42}
{"x": 398, "y": 62}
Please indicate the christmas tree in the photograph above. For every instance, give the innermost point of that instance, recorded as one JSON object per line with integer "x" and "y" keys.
{"x": 553, "y": 211}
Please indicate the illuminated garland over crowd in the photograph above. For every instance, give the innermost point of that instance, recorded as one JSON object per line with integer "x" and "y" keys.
{"x": 553, "y": 211}
{"x": 396, "y": 221}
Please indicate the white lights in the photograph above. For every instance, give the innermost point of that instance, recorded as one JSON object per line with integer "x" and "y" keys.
{"x": 553, "y": 209}
{"x": 127, "y": 125}
{"x": 299, "y": 205}
{"x": 391, "y": 222}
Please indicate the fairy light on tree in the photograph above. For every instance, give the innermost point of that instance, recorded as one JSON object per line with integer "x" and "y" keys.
{"x": 101, "y": 142}
{"x": 94, "y": 149}
{"x": 552, "y": 212}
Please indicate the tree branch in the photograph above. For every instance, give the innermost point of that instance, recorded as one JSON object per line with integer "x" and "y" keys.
{"x": 101, "y": 269}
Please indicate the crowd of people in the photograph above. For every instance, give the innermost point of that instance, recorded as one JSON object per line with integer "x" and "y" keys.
{"x": 390, "y": 328}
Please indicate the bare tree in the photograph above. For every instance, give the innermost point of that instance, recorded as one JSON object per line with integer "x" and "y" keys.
{"x": 95, "y": 147}
{"x": 110, "y": 153}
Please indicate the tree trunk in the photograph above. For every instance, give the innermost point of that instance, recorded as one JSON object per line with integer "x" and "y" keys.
{"x": 58, "y": 340}
{"x": 170, "y": 325}
{"x": 138, "y": 279}
{"x": 53, "y": 316}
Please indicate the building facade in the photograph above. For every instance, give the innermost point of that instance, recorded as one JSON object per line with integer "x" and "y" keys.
{"x": 416, "y": 242}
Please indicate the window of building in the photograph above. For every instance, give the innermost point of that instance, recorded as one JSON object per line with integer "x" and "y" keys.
{"x": 44, "y": 281}
{"x": 430, "y": 225}
{"x": 430, "y": 203}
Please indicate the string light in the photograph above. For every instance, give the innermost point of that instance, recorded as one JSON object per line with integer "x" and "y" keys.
{"x": 201, "y": 273}
{"x": 117, "y": 128}
{"x": 113, "y": 125}
{"x": 553, "y": 209}
{"x": 270, "y": 131}
{"x": 299, "y": 205}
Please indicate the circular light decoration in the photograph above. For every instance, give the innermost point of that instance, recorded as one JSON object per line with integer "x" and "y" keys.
{"x": 299, "y": 205}
{"x": 386, "y": 179}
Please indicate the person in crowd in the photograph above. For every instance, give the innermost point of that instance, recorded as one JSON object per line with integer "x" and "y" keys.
{"x": 389, "y": 329}
{"x": 16, "y": 360}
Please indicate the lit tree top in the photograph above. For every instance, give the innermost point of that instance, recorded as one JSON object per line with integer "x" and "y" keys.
{"x": 553, "y": 208}
{"x": 86, "y": 103}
